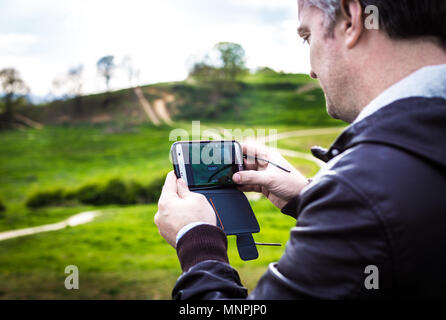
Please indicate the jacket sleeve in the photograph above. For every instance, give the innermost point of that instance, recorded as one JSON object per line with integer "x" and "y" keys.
{"x": 207, "y": 273}
{"x": 338, "y": 234}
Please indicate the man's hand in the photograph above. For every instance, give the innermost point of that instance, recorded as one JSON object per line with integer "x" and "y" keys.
{"x": 178, "y": 206}
{"x": 260, "y": 176}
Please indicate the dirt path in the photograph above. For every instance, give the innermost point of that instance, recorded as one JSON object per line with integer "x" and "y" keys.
{"x": 287, "y": 152}
{"x": 146, "y": 106}
{"x": 296, "y": 133}
{"x": 77, "y": 219}
{"x": 302, "y": 155}
{"x": 161, "y": 111}
{"x": 302, "y": 133}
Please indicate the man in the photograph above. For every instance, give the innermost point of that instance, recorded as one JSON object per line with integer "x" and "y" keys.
{"x": 379, "y": 204}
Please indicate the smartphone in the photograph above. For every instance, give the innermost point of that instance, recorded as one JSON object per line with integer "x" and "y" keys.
{"x": 207, "y": 164}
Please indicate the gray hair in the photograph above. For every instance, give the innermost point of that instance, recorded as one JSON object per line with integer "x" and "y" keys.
{"x": 330, "y": 8}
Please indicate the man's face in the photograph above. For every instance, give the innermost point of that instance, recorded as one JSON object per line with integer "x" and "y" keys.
{"x": 327, "y": 61}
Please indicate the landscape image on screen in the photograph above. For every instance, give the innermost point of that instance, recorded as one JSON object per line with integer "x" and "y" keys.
{"x": 218, "y": 172}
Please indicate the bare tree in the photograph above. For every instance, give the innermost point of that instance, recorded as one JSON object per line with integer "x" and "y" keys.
{"x": 70, "y": 86}
{"x": 106, "y": 66}
{"x": 128, "y": 67}
{"x": 14, "y": 89}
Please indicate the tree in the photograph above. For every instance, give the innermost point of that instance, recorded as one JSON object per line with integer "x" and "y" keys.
{"x": 129, "y": 69}
{"x": 232, "y": 57}
{"x": 70, "y": 85}
{"x": 14, "y": 89}
{"x": 205, "y": 73}
{"x": 223, "y": 73}
{"x": 217, "y": 75}
{"x": 106, "y": 67}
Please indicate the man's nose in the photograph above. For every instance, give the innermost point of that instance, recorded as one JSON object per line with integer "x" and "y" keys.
{"x": 313, "y": 75}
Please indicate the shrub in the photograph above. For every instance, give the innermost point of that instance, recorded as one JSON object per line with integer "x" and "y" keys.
{"x": 2, "y": 208}
{"x": 41, "y": 198}
{"x": 152, "y": 192}
{"x": 117, "y": 192}
{"x": 89, "y": 194}
{"x": 114, "y": 191}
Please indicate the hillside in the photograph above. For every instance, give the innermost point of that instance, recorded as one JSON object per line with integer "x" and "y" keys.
{"x": 262, "y": 99}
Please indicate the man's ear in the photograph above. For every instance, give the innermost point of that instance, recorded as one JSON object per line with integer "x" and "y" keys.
{"x": 352, "y": 22}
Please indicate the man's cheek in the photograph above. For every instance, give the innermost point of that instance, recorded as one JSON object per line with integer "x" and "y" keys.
{"x": 314, "y": 59}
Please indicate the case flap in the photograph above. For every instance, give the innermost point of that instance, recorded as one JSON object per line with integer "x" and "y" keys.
{"x": 246, "y": 247}
{"x": 233, "y": 211}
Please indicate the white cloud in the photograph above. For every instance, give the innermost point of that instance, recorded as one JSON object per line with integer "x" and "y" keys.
{"x": 160, "y": 36}
{"x": 271, "y": 4}
{"x": 16, "y": 43}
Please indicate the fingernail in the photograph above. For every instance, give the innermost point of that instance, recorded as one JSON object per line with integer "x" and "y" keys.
{"x": 236, "y": 178}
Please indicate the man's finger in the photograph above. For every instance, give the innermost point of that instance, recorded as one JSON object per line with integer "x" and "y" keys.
{"x": 254, "y": 151}
{"x": 249, "y": 161}
{"x": 170, "y": 184}
{"x": 183, "y": 189}
{"x": 251, "y": 177}
{"x": 169, "y": 187}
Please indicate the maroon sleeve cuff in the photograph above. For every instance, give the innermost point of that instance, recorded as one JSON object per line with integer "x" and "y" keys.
{"x": 203, "y": 242}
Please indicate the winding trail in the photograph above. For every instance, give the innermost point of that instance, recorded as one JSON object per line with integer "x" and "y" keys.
{"x": 295, "y": 133}
{"x": 146, "y": 106}
{"x": 161, "y": 111}
{"x": 158, "y": 112}
{"x": 287, "y": 152}
{"x": 77, "y": 219}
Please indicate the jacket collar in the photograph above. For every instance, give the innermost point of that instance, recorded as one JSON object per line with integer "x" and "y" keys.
{"x": 370, "y": 125}
{"x": 416, "y": 125}
{"x": 428, "y": 82}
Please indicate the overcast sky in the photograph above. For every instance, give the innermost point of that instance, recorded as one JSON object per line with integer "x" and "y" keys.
{"x": 44, "y": 38}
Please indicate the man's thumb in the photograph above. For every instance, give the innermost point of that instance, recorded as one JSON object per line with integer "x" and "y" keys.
{"x": 183, "y": 189}
{"x": 251, "y": 177}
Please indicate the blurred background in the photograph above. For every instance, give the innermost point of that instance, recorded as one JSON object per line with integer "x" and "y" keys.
{"x": 89, "y": 94}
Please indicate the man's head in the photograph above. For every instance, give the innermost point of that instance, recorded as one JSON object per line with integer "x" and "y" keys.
{"x": 354, "y": 63}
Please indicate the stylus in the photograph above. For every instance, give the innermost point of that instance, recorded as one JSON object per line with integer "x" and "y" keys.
{"x": 276, "y": 165}
{"x": 267, "y": 244}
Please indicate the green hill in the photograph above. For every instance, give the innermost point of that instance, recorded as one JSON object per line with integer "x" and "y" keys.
{"x": 262, "y": 99}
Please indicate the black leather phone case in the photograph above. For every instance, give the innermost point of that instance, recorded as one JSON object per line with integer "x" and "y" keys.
{"x": 233, "y": 212}
{"x": 234, "y": 215}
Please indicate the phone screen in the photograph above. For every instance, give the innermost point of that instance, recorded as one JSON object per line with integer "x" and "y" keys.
{"x": 211, "y": 163}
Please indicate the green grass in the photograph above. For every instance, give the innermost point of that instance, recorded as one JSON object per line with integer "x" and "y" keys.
{"x": 70, "y": 155}
{"x": 120, "y": 254}
{"x": 261, "y": 101}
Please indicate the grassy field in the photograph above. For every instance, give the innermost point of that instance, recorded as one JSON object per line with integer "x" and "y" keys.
{"x": 120, "y": 255}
